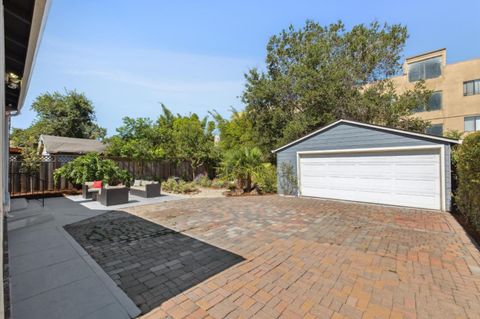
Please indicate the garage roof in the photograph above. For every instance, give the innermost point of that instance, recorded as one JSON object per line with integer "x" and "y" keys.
{"x": 69, "y": 145}
{"x": 384, "y": 128}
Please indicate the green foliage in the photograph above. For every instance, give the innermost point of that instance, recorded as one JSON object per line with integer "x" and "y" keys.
{"x": 454, "y": 134}
{"x": 91, "y": 167}
{"x": 135, "y": 140}
{"x": 265, "y": 178}
{"x": 467, "y": 197}
{"x": 169, "y": 185}
{"x": 30, "y": 161}
{"x": 220, "y": 183}
{"x": 204, "y": 181}
{"x": 180, "y": 187}
{"x": 288, "y": 179}
{"x": 241, "y": 165}
{"x": 194, "y": 141}
{"x": 68, "y": 115}
{"x": 172, "y": 137}
{"x": 236, "y": 132}
{"x": 316, "y": 75}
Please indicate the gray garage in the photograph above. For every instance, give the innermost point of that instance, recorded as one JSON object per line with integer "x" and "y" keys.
{"x": 354, "y": 161}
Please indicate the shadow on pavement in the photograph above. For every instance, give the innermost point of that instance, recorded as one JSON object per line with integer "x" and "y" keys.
{"x": 149, "y": 262}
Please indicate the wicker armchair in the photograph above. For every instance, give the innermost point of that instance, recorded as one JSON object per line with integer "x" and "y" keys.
{"x": 88, "y": 191}
{"x": 145, "y": 189}
{"x": 113, "y": 195}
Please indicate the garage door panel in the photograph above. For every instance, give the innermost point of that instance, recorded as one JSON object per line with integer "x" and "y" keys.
{"x": 394, "y": 178}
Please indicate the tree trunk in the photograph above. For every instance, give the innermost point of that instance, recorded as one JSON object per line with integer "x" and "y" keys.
{"x": 249, "y": 183}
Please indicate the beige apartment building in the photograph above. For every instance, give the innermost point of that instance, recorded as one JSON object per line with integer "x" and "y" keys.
{"x": 455, "y": 103}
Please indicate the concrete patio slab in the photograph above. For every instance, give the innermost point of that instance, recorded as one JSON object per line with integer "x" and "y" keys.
{"x": 51, "y": 276}
{"x": 133, "y": 201}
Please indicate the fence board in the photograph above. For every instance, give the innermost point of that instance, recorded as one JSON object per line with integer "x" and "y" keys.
{"x": 158, "y": 170}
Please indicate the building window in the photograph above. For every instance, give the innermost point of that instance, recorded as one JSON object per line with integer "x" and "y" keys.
{"x": 471, "y": 87}
{"x": 423, "y": 70}
{"x": 435, "y": 129}
{"x": 434, "y": 103}
{"x": 472, "y": 123}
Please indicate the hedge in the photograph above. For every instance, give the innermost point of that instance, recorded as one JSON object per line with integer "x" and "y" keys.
{"x": 467, "y": 195}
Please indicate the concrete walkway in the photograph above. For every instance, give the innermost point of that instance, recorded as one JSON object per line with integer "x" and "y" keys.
{"x": 51, "y": 275}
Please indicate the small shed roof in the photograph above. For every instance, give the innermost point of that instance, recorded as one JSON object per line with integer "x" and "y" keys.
{"x": 383, "y": 128}
{"x": 58, "y": 144}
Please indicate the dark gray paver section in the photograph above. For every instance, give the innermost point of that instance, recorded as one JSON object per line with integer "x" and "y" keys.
{"x": 151, "y": 263}
{"x": 51, "y": 276}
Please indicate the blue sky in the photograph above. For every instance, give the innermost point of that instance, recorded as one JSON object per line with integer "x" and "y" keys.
{"x": 127, "y": 56}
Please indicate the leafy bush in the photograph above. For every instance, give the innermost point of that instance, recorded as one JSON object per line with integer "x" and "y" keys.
{"x": 92, "y": 167}
{"x": 455, "y": 134}
{"x": 169, "y": 185}
{"x": 186, "y": 187}
{"x": 241, "y": 165}
{"x": 180, "y": 187}
{"x": 219, "y": 183}
{"x": 266, "y": 178}
{"x": 467, "y": 160}
{"x": 203, "y": 181}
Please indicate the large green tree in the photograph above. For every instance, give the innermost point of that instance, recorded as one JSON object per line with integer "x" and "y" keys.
{"x": 70, "y": 115}
{"x": 236, "y": 132}
{"x": 135, "y": 139}
{"x": 318, "y": 74}
{"x": 144, "y": 139}
{"x": 194, "y": 141}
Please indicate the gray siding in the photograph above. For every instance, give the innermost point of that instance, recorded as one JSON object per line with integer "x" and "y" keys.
{"x": 350, "y": 136}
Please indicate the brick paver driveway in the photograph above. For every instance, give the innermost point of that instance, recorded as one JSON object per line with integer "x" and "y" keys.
{"x": 306, "y": 258}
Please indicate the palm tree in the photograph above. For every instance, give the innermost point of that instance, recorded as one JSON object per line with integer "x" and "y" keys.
{"x": 241, "y": 164}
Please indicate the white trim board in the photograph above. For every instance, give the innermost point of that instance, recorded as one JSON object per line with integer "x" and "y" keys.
{"x": 373, "y": 149}
{"x": 439, "y": 148}
{"x": 425, "y": 136}
{"x": 39, "y": 18}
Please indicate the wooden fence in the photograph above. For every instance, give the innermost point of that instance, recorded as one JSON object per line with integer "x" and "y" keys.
{"x": 42, "y": 181}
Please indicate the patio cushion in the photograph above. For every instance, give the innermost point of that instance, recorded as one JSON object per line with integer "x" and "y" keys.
{"x": 137, "y": 182}
{"x": 97, "y": 184}
{"x": 113, "y": 187}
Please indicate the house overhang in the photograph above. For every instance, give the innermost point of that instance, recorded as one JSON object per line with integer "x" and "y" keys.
{"x": 24, "y": 21}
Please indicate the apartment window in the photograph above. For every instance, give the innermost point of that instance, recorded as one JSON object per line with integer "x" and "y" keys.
{"x": 471, "y": 87}
{"x": 472, "y": 123}
{"x": 434, "y": 103}
{"x": 435, "y": 129}
{"x": 423, "y": 70}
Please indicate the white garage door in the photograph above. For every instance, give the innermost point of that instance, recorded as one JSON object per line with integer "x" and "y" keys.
{"x": 409, "y": 178}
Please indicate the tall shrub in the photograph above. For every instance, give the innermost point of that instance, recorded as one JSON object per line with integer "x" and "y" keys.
{"x": 241, "y": 165}
{"x": 266, "y": 178}
{"x": 92, "y": 167}
{"x": 467, "y": 160}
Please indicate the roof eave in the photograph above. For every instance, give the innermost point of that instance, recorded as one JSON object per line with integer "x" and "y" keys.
{"x": 39, "y": 19}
